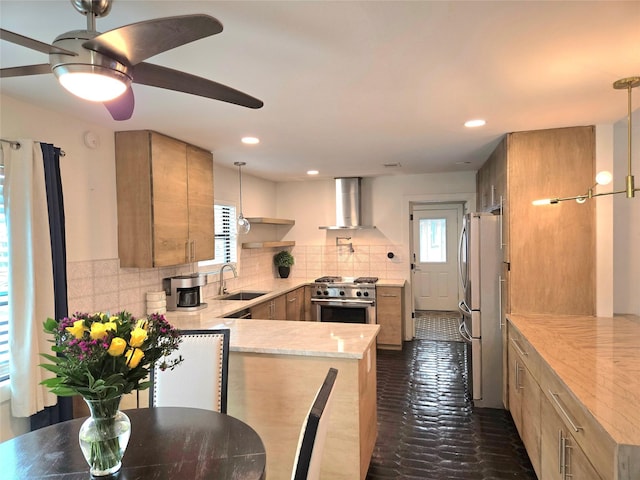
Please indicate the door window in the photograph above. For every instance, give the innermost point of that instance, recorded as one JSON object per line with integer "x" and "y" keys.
{"x": 433, "y": 240}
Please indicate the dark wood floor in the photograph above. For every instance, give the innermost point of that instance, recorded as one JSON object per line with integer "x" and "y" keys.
{"x": 427, "y": 428}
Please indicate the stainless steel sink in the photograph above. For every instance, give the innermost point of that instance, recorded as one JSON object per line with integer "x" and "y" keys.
{"x": 242, "y": 295}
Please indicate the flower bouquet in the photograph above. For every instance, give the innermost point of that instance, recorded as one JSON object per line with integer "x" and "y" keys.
{"x": 101, "y": 358}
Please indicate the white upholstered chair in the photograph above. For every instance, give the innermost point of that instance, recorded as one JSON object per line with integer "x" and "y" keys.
{"x": 200, "y": 381}
{"x": 306, "y": 465}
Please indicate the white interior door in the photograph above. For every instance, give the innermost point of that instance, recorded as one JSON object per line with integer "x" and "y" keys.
{"x": 435, "y": 258}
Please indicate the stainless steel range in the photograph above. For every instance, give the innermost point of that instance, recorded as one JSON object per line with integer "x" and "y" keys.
{"x": 345, "y": 299}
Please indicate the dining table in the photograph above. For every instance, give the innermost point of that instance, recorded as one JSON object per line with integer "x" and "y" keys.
{"x": 166, "y": 443}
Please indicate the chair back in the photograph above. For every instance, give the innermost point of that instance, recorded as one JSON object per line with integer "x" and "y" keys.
{"x": 200, "y": 381}
{"x": 306, "y": 465}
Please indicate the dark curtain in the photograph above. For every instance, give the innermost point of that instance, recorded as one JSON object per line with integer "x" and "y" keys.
{"x": 55, "y": 202}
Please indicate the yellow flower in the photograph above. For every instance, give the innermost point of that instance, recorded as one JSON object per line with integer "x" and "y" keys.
{"x": 111, "y": 325}
{"x": 98, "y": 330}
{"x": 138, "y": 336}
{"x": 78, "y": 329}
{"x": 133, "y": 356}
{"x": 117, "y": 347}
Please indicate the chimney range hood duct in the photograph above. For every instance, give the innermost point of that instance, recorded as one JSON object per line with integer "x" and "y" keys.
{"x": 347, "y": 205}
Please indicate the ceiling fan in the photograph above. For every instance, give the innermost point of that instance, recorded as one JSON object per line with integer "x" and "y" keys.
{"x": 101, "y": 66}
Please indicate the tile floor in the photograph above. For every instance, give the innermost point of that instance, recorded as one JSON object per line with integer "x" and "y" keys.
{"x": 433, "y": 325}
{"x": 427, "y": 428}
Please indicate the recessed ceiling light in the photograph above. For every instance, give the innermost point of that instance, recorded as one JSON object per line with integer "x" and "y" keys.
{"x": 474, "y": 123}
{"x": 312, "y": 172}
{"x": 250, "y": 140}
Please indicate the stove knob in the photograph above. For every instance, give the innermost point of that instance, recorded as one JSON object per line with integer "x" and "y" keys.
{"x": 358, "y": 294}
{"x": 342, "y": 293}
{"x": 319, "y": 292}
{"x": 366, "y": 294}
{"x": 326, "y": 292}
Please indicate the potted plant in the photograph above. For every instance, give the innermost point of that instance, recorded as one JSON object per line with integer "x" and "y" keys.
{"x": 283, "y": 260}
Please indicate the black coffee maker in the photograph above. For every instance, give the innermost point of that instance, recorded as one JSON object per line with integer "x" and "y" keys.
{"x": 184, "y": 292}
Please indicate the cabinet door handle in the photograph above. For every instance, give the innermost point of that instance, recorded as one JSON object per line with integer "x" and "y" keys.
{"x": 519, "y": 348}
{"x": 556, "y": 398}
{"x": 560, "y": 452}
{"x": 502, "y": 244}
{"x": 292, "y": 300}
{"x": 193, "y": 257}
{"x": 563, "y": 457}
{"x": 187, "y": 251}
{"x": 388, "y": 295}
{"x": 518, "y": 387}
{"x": 500, "y": 282}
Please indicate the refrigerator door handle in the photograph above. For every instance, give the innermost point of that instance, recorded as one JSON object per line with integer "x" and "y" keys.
{"x": 463, "y": 332}
{"x": 464, "y": 309}
{"x": 460, "y": 246}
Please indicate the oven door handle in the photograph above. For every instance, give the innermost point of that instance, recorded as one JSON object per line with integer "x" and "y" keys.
{"x": 344, "y": 303}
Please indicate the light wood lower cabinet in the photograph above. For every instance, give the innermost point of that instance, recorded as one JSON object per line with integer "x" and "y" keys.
{"x": 274, "y": 309}
{"x": 390, "y": 316}
{"x": 563, "y": 440}
{"x": 295, "y": 304}
{"x": 524, "y": 403}
{"x": 563, "y": 458}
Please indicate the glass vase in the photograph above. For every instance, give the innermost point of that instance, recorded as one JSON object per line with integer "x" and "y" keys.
{"x": 104, "y": 436}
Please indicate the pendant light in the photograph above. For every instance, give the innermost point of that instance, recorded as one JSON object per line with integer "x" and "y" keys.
{"x": 243, "y": 224}
{"x": 603, "y": 178}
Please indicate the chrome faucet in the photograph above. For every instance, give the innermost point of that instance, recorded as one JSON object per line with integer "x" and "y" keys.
{"x": 223, "y": 288}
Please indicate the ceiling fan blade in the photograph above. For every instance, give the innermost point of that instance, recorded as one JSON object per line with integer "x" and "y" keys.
{"x": 138, "y": 41}
{"x": 121, "y": 108}
{"x": 163, "y": 77}
{"x": 25, "y": 70}
{"x": 32, "y": 44}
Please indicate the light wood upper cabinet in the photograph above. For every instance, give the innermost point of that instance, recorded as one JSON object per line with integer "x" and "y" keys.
{"x": 200, "y": 202}
{"x": 165, "y": 200}
{"x": 550, "y": 250}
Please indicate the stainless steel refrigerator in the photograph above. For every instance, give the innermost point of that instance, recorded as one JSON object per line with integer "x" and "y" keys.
{"x": 480, "y": 260}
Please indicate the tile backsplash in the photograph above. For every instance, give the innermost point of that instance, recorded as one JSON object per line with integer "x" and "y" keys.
{"x": 101, "y": 285}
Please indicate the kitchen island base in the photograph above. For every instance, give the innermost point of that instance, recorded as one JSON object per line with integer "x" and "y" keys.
{"x": 273, "y": 394}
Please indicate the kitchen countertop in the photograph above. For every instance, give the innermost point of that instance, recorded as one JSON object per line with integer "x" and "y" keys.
{"x": 315, "y": 339}
{"x": 283, "y": 337}
{"x": 598, "y": 359}
{"x": 276, "y": 287}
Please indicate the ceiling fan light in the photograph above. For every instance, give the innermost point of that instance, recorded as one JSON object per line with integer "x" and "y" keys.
{"x": 96, "y": 85}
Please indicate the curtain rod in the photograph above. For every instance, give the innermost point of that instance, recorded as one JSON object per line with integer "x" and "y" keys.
{"x": 16, "y": 146}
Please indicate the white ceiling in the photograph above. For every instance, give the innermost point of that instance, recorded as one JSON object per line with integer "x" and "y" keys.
{"x": 350, "y": 86}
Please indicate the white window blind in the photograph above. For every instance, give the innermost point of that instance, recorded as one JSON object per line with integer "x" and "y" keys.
{"x": 4, "y": 287}
{"x": 226, "y": 237}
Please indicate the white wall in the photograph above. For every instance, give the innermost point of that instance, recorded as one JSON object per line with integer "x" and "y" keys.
{"x": 626, "y": 222}
{"x": 88, "y": 175}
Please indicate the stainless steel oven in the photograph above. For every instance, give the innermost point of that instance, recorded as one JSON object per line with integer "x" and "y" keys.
{"x": 345, "y": 300}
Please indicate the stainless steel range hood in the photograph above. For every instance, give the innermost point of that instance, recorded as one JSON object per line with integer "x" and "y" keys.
{"x": 347, "y": 205}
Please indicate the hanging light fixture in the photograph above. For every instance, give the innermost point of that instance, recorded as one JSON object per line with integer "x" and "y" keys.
{"x": 243, "y": 224}
{"x": 604, "y": 177}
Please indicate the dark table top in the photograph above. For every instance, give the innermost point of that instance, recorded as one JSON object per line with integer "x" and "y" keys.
{"x": 166, "y": 443}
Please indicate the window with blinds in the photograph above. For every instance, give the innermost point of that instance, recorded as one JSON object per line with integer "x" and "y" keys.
{"x": 226, "y": 237}
{"x": 4, "y": 287}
